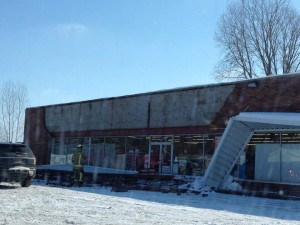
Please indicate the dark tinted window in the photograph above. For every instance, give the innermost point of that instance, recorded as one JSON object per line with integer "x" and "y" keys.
{"x": 13, "y": 150}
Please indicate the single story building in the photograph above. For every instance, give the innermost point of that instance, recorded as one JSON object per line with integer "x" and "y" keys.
{"x": 172, "y": 131}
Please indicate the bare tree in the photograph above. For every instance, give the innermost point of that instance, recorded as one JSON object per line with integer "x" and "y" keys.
{"x": 13, "y": 102}
{"x": 258, "y": 38}
{"x": 290, "y": 44}
{"x": 232, "y": 37}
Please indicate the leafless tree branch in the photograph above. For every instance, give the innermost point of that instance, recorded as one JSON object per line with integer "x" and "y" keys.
{"x": 258, "y": 38}
{"x": 13, "y": 101}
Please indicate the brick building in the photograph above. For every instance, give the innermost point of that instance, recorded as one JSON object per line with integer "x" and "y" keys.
{"x": 166, "y": 132}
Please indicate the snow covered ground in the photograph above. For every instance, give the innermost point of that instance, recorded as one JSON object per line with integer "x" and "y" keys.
{"x": 42, "y": 204}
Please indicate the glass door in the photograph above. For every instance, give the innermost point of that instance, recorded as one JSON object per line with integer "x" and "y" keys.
{"x": 161, "y": 155}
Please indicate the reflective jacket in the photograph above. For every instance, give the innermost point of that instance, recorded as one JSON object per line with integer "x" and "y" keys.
{"x": 78, "y": 159}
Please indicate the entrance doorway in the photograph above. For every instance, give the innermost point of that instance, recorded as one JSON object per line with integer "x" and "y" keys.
{"x": 161, "y": 157}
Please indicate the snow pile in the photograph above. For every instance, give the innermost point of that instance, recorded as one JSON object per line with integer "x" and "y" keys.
{"x": 196, "y": 185}
{"x": 229, "y": 184}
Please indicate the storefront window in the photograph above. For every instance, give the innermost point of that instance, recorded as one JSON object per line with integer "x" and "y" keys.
{"x": 273, "y": 157}
{"x": 137, "y": 152}
{"x": 166, "y": 154}
{"x": 114, "y": 156}
{"x": 188, "y": 152}
{"x": 97, "y": 151}
{"x": 290, "y": 157}
{"x": 59, "y": 151}
{"x": 290, "y": 163}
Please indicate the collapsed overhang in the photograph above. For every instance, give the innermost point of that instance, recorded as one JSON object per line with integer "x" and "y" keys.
{"x": 236, "y": 137}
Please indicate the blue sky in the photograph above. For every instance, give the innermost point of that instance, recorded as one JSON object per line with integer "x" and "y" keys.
{"x": 74, "y": 50}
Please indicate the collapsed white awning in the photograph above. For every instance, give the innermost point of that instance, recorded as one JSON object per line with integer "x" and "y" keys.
{"x": 238, "y": 134}
{"x": 269, "y": 120}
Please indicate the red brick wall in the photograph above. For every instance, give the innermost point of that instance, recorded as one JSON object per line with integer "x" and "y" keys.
{"x": 36, "y": 134}
{"x": 273, "y": 94}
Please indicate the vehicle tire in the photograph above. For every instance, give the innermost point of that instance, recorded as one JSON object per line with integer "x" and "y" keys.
{"x": 26, "y": 182}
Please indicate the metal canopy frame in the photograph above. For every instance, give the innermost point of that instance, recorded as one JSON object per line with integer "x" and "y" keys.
{"x": 236, "y": 137}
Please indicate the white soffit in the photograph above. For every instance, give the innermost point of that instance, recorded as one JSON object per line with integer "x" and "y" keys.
{"x": 265, "y": 120}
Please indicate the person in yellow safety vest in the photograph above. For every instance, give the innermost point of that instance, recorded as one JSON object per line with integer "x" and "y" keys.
{"x": 78, "y": 162}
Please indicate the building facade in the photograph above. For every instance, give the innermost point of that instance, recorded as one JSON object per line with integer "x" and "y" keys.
{"x": 165, "y": 132}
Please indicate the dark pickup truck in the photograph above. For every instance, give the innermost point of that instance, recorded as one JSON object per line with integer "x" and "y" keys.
{"x": 17, "y": 163}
